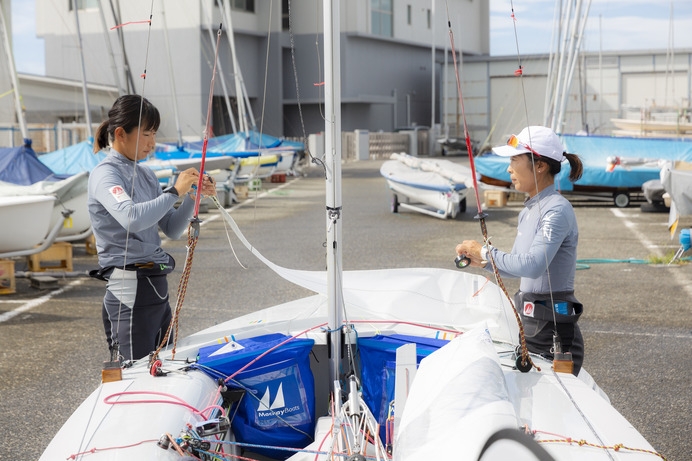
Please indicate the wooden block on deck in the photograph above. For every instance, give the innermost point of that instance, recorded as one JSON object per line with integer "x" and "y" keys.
{"x": 60, "y": 252}
{"x": 7, "y": 283}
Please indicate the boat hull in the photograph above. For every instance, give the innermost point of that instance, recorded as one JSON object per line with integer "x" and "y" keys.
{"x": 26, "y": 221}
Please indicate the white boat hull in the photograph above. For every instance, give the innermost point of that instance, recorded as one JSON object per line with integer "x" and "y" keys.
{"x": 71, "y": 194}
{"x": 26, "y": 221}
{"x": 439, "y": 184}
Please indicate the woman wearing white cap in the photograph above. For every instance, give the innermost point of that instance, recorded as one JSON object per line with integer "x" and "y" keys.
{"x": 545, "y": 250}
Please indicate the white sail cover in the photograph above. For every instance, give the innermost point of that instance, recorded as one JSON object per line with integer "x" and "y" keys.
{"x": 458, "y": 399}
{"x": 434, "y": 174}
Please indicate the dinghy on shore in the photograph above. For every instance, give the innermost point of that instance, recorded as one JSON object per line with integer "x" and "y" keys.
{"x": 434, "y": 187}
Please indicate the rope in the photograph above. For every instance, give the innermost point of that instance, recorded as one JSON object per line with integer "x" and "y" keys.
{"x": 175, "y": 401}
{"x": 584, "y": 263}
{"x": 192, "y": 237}
{"x": 95, "y": 450}
{"x": 481, "y": 216}
{"x": 617, "y": 447}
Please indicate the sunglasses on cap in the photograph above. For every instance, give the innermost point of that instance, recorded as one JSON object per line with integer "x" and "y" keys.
{"x": 514, "y": 142}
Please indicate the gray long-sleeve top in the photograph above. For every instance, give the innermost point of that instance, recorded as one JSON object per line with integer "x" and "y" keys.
{"x": 552, "y": 236}
{"x": 112, "y": 210}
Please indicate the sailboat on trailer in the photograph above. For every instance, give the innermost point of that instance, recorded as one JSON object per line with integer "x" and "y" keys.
{"x": 274, "y": 382}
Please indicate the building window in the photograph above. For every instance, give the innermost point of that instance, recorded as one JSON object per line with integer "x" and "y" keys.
{"x": 84, "y": 4}
{"x": 429, "y": 19}
{"x": 243, "y": 5}
{"x": 382, "y": 17}
{"x": 408, "y": 14}
{"x": 285, "y": 19}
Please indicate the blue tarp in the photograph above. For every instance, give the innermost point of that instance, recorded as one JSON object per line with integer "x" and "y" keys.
{"x": 594, "y": 152}
{"x": 74, "y": 159}
{"x": 238, "y": 144}
{"x": 282, "y": 388}
{"x": 20, "y": 165}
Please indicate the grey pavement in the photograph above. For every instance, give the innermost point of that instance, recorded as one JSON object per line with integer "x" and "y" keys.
{"x": 637, "y": 323}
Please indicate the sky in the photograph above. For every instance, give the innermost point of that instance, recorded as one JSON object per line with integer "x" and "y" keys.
{"x": 624, "y": 25}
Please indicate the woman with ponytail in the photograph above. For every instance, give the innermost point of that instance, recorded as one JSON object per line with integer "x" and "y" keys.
{"x": 127, "y": 208}
{"x": 545, "y": 250}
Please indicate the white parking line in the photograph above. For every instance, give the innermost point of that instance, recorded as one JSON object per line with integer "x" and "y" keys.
{"x": 38, "y": 301}
{"x": 628, "y": 333}
{"x": 678, "y": 276}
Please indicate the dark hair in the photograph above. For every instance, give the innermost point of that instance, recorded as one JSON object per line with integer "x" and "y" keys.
{"x": 554, "y": 167}
{"x": 125, "y": 114}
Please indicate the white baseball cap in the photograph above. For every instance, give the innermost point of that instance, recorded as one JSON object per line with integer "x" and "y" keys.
{"x": 540, "y": 140}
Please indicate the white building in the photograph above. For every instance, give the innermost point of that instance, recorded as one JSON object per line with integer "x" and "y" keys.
{"x": 633, "y": 84}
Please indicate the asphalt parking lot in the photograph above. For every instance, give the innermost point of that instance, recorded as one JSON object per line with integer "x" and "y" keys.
{"x": 637, "y": 323}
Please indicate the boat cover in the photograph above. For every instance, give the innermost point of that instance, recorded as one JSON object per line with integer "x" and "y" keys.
{"x": 237, "y": 144}
{"x": 594, "y": 152}
{"x": 279, "y": 406}
{"x": 73, "y": 159}
{"x": 678, "y": 183}
{"x": 438, "y": 175}
{"x": 64, "y": 189}
{"x": 20, "y": 165}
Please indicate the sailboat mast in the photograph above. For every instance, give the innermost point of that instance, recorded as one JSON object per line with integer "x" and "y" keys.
{"x": 85, "y": 92}
{"x": 220, "y": 69}
{"x": 242, "y": 118}
{"x": 126, "y": 63}
{"x": 13, "y": 76}
{"x": 332, "y": 139}
{"x": 109, "y": 45}
{"x": 174, "y": 93}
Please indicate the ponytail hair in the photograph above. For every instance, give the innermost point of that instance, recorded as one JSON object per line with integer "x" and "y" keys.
{"x": 125, "y": 114}
{"x": 554, "y": 167}
{"x": 576, "y": 167}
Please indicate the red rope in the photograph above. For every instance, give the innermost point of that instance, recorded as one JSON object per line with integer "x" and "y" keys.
{"x": 131, "y": 22}
{"x": 94, "y": 450}
{"x": 481, "y": 216}
{"x": 206, "y": 130}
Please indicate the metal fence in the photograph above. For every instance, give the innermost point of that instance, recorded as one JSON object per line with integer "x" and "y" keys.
{"x": 45, "y": 137}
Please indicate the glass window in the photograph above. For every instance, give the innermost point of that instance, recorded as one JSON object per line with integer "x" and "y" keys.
{"x": 285, "y": 20}
{"x": 408, "y": 14}
{"x": 243, "y": 5}
{"x": 84, "y": 4}
{"x": 429, "y": 20}
{"x": 381, "y": 15}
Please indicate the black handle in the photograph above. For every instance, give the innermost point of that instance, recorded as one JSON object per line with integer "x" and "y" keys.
{"x": 462, "y": 261}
